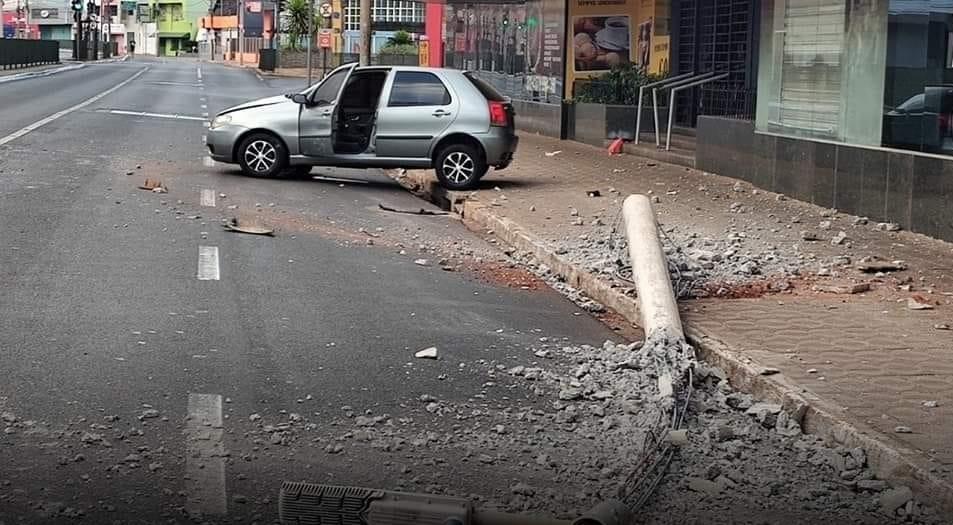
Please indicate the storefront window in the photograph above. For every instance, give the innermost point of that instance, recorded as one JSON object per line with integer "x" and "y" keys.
{"x": 515, "y": 47}
{"x": 918, "y": 90}
{"x": 821, "y": 69}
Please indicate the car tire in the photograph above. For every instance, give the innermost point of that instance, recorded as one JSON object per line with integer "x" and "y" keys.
{"x": 262, "y": 155}
{"x": 460, "y": 167}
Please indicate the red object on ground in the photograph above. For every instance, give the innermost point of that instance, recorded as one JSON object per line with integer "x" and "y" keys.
{"x": 616, "y": 147}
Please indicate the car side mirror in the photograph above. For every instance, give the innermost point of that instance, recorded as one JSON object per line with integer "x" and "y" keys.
{"x": 300, "y": 98}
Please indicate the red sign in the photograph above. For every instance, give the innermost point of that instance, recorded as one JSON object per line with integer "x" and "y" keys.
{"x": 325, "y": 39}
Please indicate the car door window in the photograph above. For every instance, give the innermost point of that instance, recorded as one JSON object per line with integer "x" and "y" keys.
{"x": 328, "y": 91}
{"x": 417, "y": 88}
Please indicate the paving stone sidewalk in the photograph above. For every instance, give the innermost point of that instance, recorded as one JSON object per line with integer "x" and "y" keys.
{"x": 881, "y": 364}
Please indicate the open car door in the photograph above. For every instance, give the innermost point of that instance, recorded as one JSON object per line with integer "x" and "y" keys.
{"x": 316, "y": 117}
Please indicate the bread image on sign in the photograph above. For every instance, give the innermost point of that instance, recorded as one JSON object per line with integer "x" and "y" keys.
{"x": 600, "y": 42}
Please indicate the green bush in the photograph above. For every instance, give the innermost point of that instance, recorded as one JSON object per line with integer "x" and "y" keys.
{"x": 401, "y": 49}
{"x": 619, "y": 86}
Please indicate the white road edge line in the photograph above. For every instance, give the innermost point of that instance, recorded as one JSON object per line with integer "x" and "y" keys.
{"x": 208, "y": 263}
{"x": 42, "y": 122}
{"x": 208, "y": 196}
{"x": 205, "y": 456}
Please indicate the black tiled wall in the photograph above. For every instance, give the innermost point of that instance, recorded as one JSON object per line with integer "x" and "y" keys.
{"x": 913, "y": 190}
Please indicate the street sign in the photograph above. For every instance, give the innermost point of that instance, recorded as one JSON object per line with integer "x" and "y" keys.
{"x": 326, "y": 9}
{"x": 325, "y": 38}
{"x": 423, "y": 50}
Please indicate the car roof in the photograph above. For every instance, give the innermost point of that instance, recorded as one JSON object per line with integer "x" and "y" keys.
{"x": 408, "y": 68}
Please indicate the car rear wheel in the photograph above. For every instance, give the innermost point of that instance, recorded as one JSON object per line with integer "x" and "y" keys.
{"x": 460, "y": 166}
{"x": 262, "y": 155}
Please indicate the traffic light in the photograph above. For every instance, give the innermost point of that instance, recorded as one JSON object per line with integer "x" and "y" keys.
{"x": 77, "y": 5}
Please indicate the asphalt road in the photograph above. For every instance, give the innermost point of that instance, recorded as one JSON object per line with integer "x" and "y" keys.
{"x": 115, "y": 357}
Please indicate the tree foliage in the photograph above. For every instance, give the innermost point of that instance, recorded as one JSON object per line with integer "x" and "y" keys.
{"x": 298, "y": 14}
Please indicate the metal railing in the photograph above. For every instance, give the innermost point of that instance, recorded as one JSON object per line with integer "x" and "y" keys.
{"x": 675, "y": 88}
{"x": 638, "y": 117}
{"x": 17, "y": 53}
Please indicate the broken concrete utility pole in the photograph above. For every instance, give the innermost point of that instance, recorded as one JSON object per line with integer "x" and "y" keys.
{"x": 664, "y": 336}
{"x": 365, "y": 22}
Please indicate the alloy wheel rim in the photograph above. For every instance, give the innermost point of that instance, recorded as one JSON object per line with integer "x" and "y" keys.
{"x": 261, "y": 156}
{"x": 458, "y": 167}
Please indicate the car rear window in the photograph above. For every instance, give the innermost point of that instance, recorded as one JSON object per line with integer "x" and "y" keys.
{"x": 489, "y": 92}
{"x": 418, "y": 88}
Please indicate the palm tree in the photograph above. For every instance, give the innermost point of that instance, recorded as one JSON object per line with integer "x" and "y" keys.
{"x": 299, "y": 12}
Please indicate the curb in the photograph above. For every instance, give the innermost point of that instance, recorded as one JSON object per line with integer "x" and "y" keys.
{"x": 892, "y": 463}
{"x": 42, "y": 73}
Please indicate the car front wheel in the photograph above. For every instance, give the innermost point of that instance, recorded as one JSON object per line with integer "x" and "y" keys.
{"x": 262, "y": 155}
{"x": 460, "y": 166}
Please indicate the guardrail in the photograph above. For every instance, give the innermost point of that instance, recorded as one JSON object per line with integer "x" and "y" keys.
{"x": 19, "y": 53}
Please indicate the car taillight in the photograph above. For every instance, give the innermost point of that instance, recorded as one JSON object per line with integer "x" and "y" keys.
{"x": 498, "y": 115}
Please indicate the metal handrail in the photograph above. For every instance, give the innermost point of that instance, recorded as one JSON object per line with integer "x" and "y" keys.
{"x": 638, "y": 117}
{"x": 671, "y": 103}
{"x": 673, "y": 85}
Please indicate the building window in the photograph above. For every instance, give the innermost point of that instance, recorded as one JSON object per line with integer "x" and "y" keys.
{"x": 821, "y": 69}
{"x": 918, "y": 89}
{"x": 392, "y": 11}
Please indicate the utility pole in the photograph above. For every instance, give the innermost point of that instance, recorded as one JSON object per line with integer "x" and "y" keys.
{"x": 366, "y": 6}
{"x": 310, "y": 37}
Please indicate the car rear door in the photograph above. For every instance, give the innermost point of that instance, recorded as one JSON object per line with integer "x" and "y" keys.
{"x": 417, "y": 107}
{"x": 316, "y": 119}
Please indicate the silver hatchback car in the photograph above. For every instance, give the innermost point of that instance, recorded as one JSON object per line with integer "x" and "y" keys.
{"x": 373, "y": 117}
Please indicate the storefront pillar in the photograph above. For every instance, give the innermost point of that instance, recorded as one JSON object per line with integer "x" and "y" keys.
{"x": 433, "y": 28}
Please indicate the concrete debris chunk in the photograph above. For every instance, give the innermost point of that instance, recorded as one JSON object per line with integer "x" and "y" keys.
{"x": 871, "y": 265}
{"x": 427, "y": 353}
{"x": 918, "y": 302}
{"x": 901, "y": 429}
{"x": 703, "y": 486}
{"x": 893, "y": 499}
{"x": 843, "y": 289}
{"x": 839, "y": 238}
{"x": 872, "y": 485}
{"x": 421, "y": 262}
{"x": 678, "y": 437}
{"x": 887, "y": 227}
{"x": 765, "y": 413}
{"x": 930, "y": 404}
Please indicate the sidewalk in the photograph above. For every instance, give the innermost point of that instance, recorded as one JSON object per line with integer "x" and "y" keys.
{"x": 771, "y": 287}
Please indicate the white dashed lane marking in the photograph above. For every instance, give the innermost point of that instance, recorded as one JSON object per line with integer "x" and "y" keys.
{"x": 205, "y": 456}
{"x": 208, "y": 263}
{"x": 208, "y": 196}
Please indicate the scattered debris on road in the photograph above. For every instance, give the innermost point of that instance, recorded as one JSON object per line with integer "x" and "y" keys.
{"x": 419, "y": 211}
{"x": 254, "y": 229}
{"x": 919, "y": 302}
{"x": 154, "y": 186}
{"x": 427, "y": 353}
{"x": 875, "y": 265}
{"x": 553, "y": 153}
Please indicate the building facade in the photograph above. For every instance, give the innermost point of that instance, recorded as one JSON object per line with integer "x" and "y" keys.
{"x": 54, "y": 18}
{"x": 854, "y": 110}
{"x": 388, "y": 16}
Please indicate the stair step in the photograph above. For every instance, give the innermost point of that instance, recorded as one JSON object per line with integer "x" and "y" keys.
{"x": 678, "y": 141}
{"x": 677, "y": 156}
